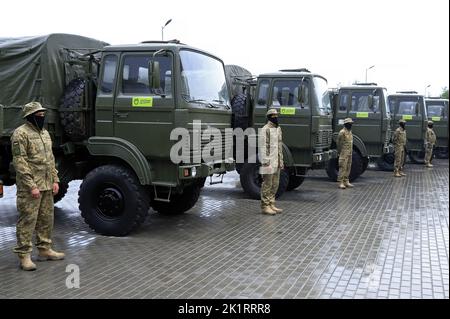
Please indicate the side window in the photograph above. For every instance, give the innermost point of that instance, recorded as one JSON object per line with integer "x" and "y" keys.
{"x": 343, "y": 101}
{"x": 109, "y": 74}
{"x": 135, "y": 75}
{"x": 263, "y": 92}
{"x": 285, "y": 93}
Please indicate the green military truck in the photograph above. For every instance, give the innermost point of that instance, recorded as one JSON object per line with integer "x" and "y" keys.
{"x": 111, "y": 111}
{"x": 367, "y": 105}
{"x": 437, "y": 109}
{"x": 410, "y": 106}
{"x": 302, "y": 101}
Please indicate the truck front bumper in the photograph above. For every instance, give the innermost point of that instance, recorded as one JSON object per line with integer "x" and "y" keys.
{"x": 205, "y": 169}
{"x": 325, "y": 156}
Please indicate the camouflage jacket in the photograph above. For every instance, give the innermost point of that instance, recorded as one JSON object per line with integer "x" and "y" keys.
{"x": 270, "y": 148}
{"x": 33, "y": 159}
{"x": 431, "y": 137}
{"x": 345, "y": 142}
{"x": 399, "y": 137}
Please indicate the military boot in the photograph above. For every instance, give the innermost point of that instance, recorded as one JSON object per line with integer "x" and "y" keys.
{"x": 397, "y": 174}
{"x": 347, "y": 184}
{"x": 275, "y": 209}
{"x": 402, "y": 174}
{"x": 50, "y": 254}
{"x": 342, "y": 185}
{"x": 26, "y": 263}
{"x": 268, "y": 211}
{"x": 429, "y": 165}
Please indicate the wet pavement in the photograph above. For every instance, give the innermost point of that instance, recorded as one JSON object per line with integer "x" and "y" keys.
{"x": 386, "y": 238}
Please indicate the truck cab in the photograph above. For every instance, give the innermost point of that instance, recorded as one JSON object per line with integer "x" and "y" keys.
{"x": 410, "y": 106}
{"x": 437, "y": 109}
{"x": 367, "y": 105}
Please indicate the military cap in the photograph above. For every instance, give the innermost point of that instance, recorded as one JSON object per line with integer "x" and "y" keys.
{"x": 271, "y": 112}
{"x": 430, "y": 122}
{"x": 401, "y": 121}
{"x": 348, "y": 120}
{"x": 31, "y": 108}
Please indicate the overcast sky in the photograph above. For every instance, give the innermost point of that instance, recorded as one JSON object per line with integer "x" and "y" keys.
{"x": 406, "y": 40}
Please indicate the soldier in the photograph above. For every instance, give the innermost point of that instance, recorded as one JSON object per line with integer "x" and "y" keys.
{"x": 271, "y": 155}
{"x": 399, "y": 148}
{"x": 429, "y": 144}
{"x": 37, "y": 182}
{"x": 345, "y": 149}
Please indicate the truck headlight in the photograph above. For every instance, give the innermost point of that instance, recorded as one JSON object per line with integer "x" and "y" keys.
{"x": 193, "y": 171}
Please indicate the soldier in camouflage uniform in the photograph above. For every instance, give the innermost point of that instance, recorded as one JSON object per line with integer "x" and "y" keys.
{"x": 399, "y": 140}
{"x": 429, "y": 144}
{"x": 37, "y": 182}
{"x": 271, "y": 157}
{"x": 345, "y": 149}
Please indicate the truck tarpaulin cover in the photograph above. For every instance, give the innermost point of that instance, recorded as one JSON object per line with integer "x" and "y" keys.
{"x": 235, "y": 71}
{"x": 34, "y": 69}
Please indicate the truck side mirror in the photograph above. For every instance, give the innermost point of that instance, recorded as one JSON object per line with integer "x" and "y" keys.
{"x": 417, "y": 108}
{"x": 302, "y": 97}
{"x": 154, "y": 74}
{"x": 370, "y": 101}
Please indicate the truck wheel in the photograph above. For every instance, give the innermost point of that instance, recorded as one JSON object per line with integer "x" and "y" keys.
{"x": 355, "y": 171}
{"x": 72, "y": 119}
{"x": 441, "y": 152}
{"x": 251, "y": 181}
{"x": 386, "y": 162}
{"x": 63, "y": 187}
{"x": 238, "y": 107}
{"x": 112, "y": 201}
{"x": 417, "y": 157}
{"x": 296, "y": 181}
{"x": 179, "y": 203}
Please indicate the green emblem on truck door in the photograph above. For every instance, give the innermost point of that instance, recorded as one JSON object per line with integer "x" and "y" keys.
{"x": 142, "y": 101}
{"x": 287, "y": 110}
{"x": 362, "y": 114}
{"x": 435, "y": 118}
{"x": 407, "y": 117}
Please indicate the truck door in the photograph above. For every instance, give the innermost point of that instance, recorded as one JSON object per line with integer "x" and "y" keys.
{"x": 142, "y": 116}
{"x": 341, "y": 109}
{"x": 438, "y": 113}
{"x": 411, "y": 109}
{"x": 367, "y": 116}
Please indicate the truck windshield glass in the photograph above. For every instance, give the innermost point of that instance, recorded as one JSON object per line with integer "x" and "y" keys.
{"x": 360, "y": 101}
{"x": 203, "y": 79}
{"x": 285, "y": 93}
{"x": 321, "y": 90}
{"x": 436, "y": 109}
{"x": 406, "y": 105}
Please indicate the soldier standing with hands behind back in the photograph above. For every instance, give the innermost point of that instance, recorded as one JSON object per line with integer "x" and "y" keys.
{"x": 399, "y": 148}
{"x": 271, "y": 156}
{"x": 429, "y": 144}
{"x": 345, "y": 148}
{"x": 37, "y": 182}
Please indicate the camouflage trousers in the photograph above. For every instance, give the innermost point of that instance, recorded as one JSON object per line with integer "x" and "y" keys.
{"x": 269, "y": 188}
{"x": 428, "y": 153}
{"x": 35, "y": 214}
{"x": 345, "y": 165}
{"x": 399, "y": 158}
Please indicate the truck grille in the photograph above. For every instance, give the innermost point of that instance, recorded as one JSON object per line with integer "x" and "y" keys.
{"x": 213, "y": 144}
{"x": 324, "y": 137}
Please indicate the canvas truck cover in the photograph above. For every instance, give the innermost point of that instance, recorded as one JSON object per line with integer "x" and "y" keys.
{"x": 35, "y": 69}
{"x": 233, "y": 72}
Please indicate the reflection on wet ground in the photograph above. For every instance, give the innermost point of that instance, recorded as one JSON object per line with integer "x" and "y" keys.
{"x": 386, "y": 238}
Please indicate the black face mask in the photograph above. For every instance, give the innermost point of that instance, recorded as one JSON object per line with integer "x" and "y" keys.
{"x": 273, "y": 119}
{"x": 348, "y": 126}
{"x": 430, "y": 125}
{"x": 37, "y": 121}
{"x": 402, "y": 125}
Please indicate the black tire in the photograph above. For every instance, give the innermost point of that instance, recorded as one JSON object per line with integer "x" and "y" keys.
{"x": 251, "y": 181}
{"x": 296, "y": 181}
{"x": 355, "y": 171}
{"x": 179, "y": 203}
{"x": 112, "y": 201}
{"x": 417, "y": 157}
{"x": 440, "y": 152}
{"x": 386, "y": 162}
{"x": 239, "y": 113}
{"x": 63, "y": 187}
{"x": 74, "y": 121}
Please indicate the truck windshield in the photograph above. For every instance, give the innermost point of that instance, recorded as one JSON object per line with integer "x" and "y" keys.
{"x": 203, "y": 79}
{"x": 436, "y": 108}
{"x": 323, "y": 97}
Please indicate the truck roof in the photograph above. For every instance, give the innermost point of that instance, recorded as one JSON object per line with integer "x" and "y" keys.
{"x": 361, "y": 87}
{"x": 438, "y": 99}
{"x": 289, "y": 74}
{"x": 406, "y": 94}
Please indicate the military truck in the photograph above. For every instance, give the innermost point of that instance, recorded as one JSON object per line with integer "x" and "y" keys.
{"x": 111, "y": 111}
{"x": 367, "y": 105}
{"x": 437, "y": 109}
{"x": 410, "y": 106}
{"x": 303, "y": 103}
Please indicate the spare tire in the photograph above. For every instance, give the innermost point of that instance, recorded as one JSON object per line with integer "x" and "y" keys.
{"x": 73, "y": 117}
{"x": 239, "y": 111}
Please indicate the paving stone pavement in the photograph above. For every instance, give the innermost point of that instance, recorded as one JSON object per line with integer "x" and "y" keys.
{"x": 386, "y": 238}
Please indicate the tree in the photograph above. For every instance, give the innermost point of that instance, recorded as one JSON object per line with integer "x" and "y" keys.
{"x": 444, "y": 93}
